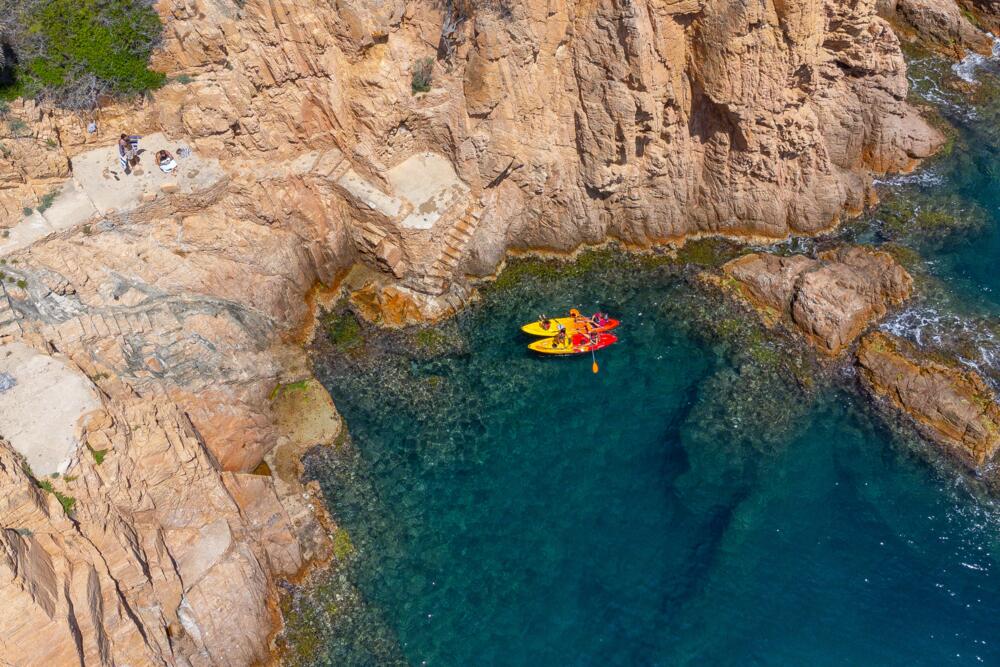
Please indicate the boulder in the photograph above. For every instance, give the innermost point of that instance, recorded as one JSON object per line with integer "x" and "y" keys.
{"x": 830, "y": 299}
{"x": 950, "y": 405}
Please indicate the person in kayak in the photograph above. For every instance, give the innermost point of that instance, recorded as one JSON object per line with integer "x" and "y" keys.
{"x": 544, "y": 322}
{"x": 560, "y": 339}
{"x": 580, "y": 322}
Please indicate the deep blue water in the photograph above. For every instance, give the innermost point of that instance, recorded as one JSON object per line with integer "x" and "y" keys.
{"x": 690, "y": 504}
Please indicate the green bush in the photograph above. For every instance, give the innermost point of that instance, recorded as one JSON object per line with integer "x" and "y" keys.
{"x": 18, "y": 128}
{"x": 98, "y": 454}
{"x": 423, "y": 75}
{"x": 73, "y": 52}
{"x": 46, "y": 201}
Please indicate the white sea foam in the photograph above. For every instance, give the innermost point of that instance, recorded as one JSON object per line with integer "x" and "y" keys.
{"x": 921, "y": 178}
{"x": 930, "y": 91}
{"x": 967, "y": 68}
{"x": 927, "y": 326}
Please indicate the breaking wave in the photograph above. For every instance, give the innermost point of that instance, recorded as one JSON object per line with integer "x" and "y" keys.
{"x": 967, "y": 68}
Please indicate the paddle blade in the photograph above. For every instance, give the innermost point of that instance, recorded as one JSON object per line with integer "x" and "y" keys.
{"x": 595, "y": 366}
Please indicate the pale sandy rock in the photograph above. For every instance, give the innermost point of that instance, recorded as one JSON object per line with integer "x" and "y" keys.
{"x": 43, "y": 401}
{"x": 951, "y": 405}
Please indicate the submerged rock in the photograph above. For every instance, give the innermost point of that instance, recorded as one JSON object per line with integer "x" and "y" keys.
{"x": 950, "y": 405}
{"x": 830, "y": 299}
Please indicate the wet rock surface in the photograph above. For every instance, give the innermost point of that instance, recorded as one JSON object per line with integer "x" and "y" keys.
{"x": 950, "y": 404}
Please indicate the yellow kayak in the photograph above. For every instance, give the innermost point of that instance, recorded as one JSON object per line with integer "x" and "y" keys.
{"x": 581, "y": 345}
{"x": 537, "y": 328}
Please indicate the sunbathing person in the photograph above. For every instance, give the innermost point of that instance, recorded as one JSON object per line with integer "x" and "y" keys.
{"x": 165, "y": 161}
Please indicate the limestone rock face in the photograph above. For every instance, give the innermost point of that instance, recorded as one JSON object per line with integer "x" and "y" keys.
{"x": 547, "y": 126}
{"x": 830, "y": 299}
{"x": 950, "y": 405}
{"x": 162, "y": 563}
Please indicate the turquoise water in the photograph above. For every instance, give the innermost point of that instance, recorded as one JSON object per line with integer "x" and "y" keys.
{"x": 709, "y": 497}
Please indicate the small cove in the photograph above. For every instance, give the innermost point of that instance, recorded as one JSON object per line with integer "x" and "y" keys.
{"x": 694, "y": 502}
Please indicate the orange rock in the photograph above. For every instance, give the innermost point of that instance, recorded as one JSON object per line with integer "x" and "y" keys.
{"x": 831, "y": 299}
{"x": 951, "y": 405}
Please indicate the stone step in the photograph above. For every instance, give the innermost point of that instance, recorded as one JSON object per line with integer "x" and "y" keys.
{"x": 337, "y": 172}
{"x": 372, "y": 234}
{"x": 457, "y": 240}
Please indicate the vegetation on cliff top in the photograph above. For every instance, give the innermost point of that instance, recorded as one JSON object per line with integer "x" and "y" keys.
{"x": 74, "y": 53}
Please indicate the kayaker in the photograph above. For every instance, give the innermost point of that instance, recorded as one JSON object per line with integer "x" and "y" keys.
{"x": 580, "y": 322}
{"x": 560, "y": 338}
{"x": 544, "y": 322}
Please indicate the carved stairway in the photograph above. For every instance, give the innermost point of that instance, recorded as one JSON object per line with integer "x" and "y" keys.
{"x": 437, "y": 278}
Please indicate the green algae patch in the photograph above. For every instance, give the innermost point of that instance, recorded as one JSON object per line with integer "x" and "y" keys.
{"x": 922, "y": 220}
{"x": 343, "y": 548}
{"x": 431, "y": 339}
{"x": 327, "y": 619}
{"x": 343, "y": 330}
{"x": 709, "y": 252}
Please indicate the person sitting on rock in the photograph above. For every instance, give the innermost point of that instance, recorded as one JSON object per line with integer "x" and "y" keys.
{"x": 165, "y": 161}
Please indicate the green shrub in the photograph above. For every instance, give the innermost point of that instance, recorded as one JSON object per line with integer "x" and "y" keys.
{"x": 423, "y": 75}
{"x": 22, "y": 283}
{"x": 98, "y": 454}
{"x": 73, "y": 52}
{"x": 27, "y": 210}
{"x": 46, "y": 201}
{"x": 68, "y": 502}
{"x": 18, "y": 128}
{"x": 182, "y": 79}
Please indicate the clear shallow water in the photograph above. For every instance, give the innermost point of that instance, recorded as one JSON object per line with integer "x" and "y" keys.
{"x": 690, "y": 504}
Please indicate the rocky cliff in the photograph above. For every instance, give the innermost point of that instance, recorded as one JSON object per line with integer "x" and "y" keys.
{"x": 309, "y": 151}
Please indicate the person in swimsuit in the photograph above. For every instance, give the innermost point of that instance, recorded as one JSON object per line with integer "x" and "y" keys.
{"x": 165, "y": 161}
